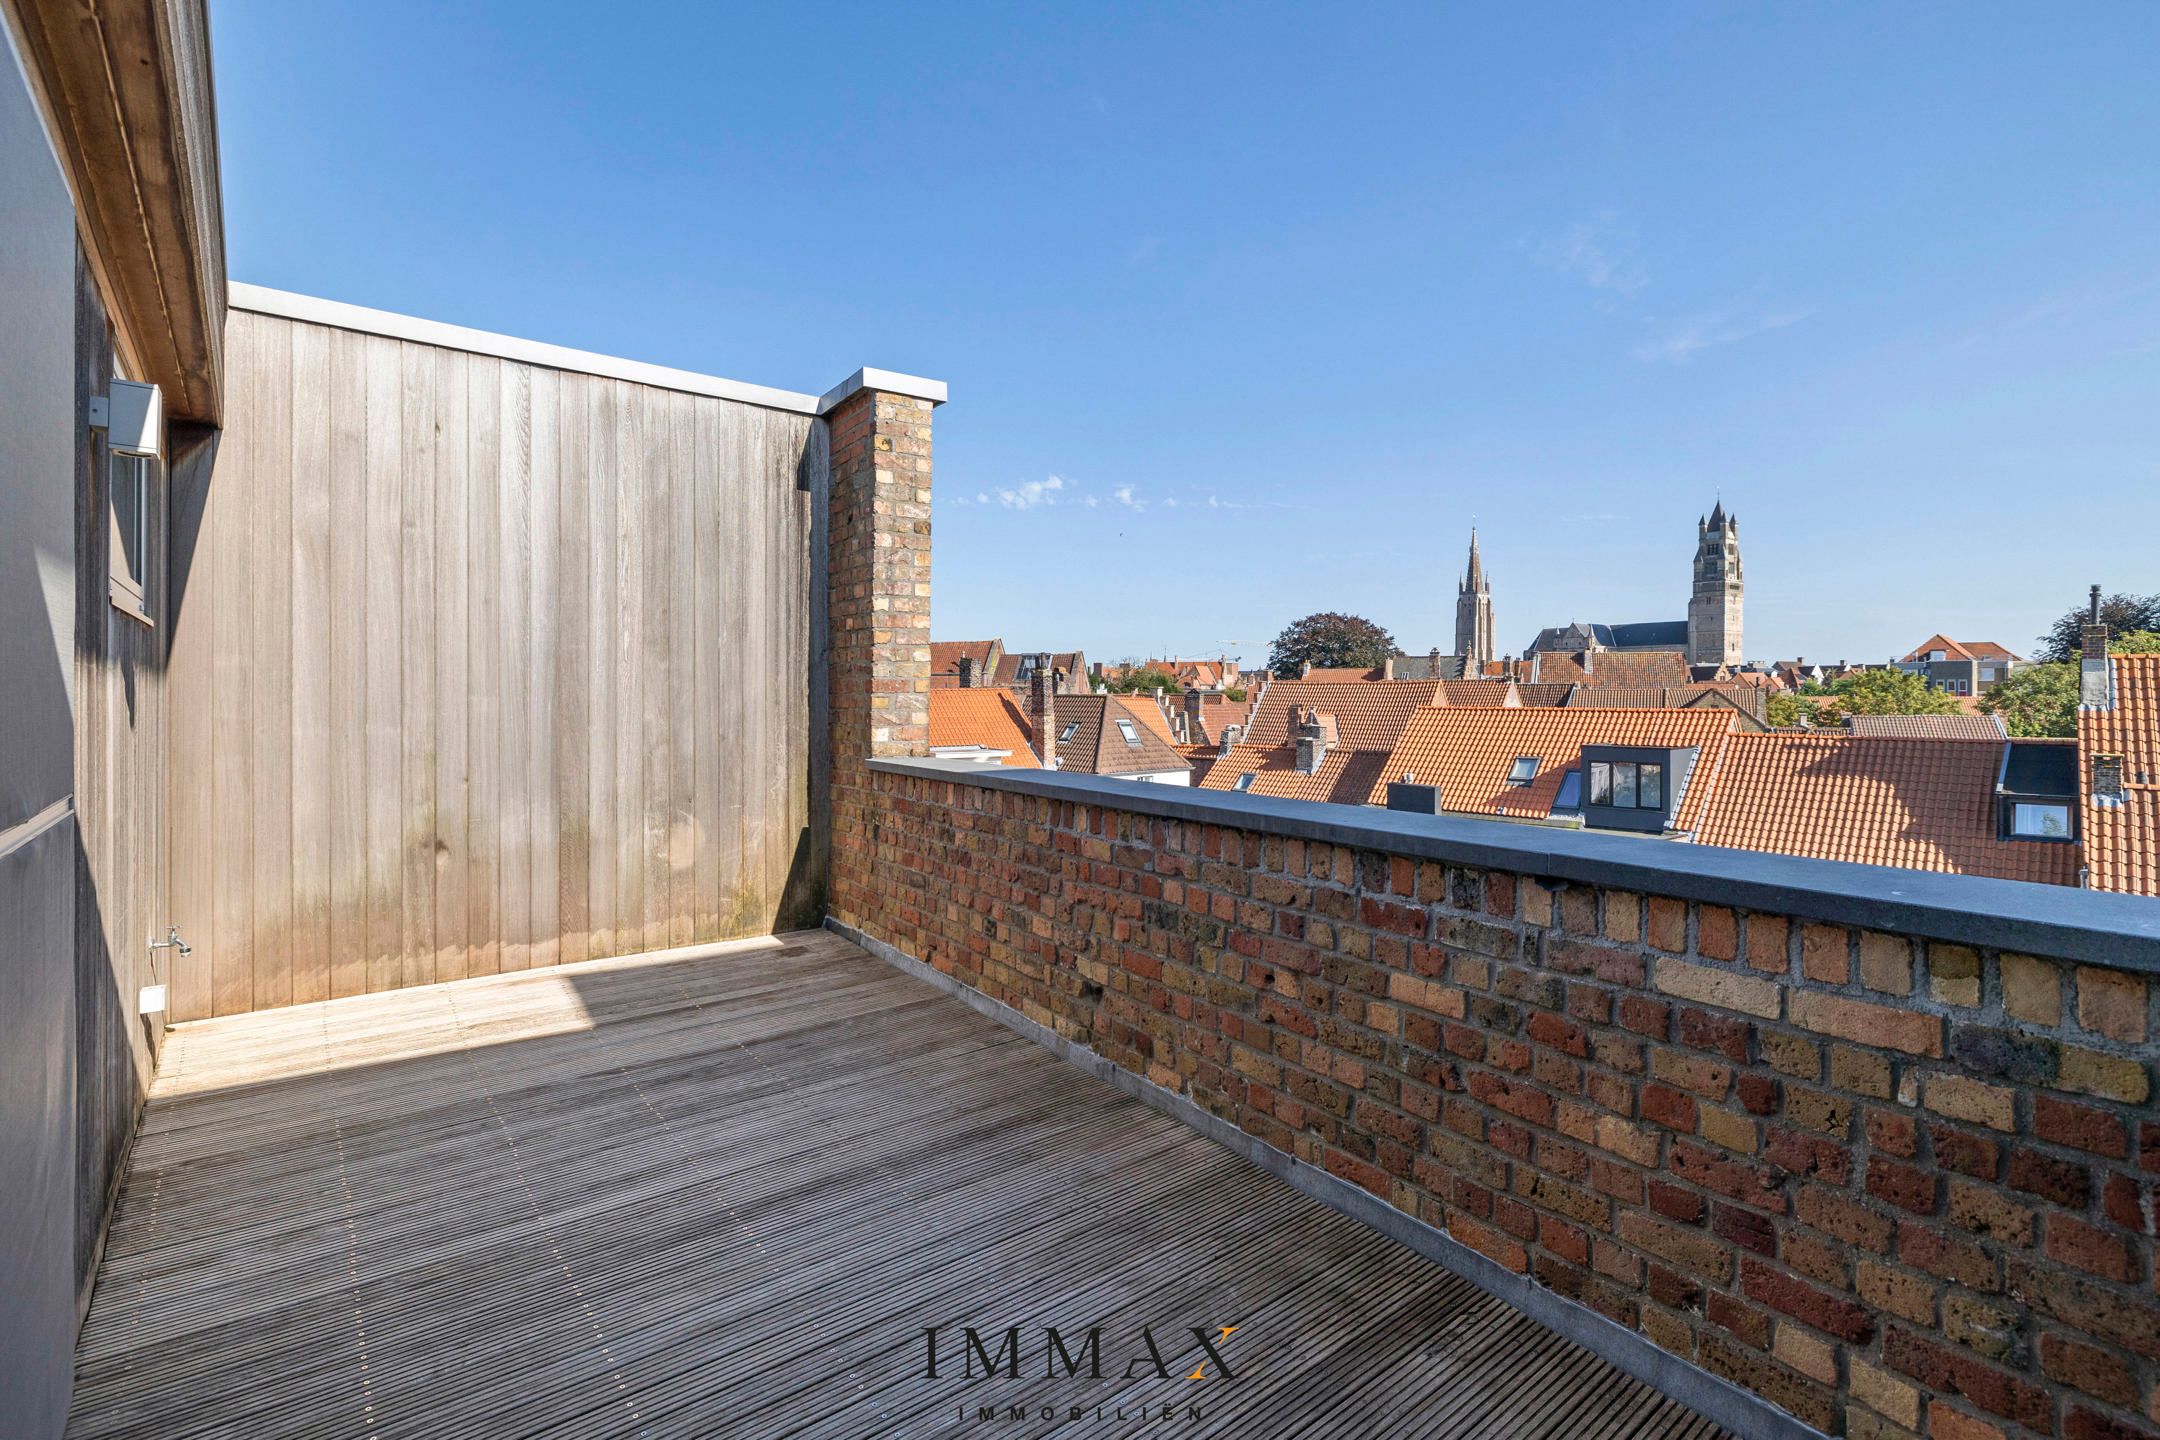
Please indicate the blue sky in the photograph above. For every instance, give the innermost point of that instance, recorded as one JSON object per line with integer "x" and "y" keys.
{"x": 1247, "y": 310}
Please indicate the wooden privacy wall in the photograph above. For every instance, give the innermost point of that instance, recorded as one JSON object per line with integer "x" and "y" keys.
{"x": 480, "y": 666}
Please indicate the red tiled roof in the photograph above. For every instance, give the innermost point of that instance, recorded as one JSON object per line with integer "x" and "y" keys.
{"x": 1340, "y": 674}
{"x": 1096, "y": 746}
{"x": 1557, "y": 693}
{"x": 1072, "y": 662}
{"x": 1345, "y": 777}
{"x": 1933, "y": 727}
{"x": 1944, "y": 643}
{"x": 1467, "y": 752}
{"x": 945, "y": 660}
{"x": 1918, "y": 804}
{"x": 1149, "y": 712}
{"x": 1369, "y": 714}
{"x": 1217, "y": 711}
{"x": 1960, "y": 649}
{"x": 1614, "y": 667}
{"x": 2122, "y": 842}
{"x": 985, "y": 717}
{"x": 1490, "y": 693}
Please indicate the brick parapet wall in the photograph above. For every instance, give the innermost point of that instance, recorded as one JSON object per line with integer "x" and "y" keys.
{"x": 877, "y": 603}
{"x": 1895, "y": 1186}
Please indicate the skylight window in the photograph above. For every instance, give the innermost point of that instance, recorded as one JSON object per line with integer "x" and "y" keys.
{"x": 1243, "y": 782}
{"x": 1132, "y": 736}
{"x": 1523, "y": 771}
{"x": 1072, "y": 728}
{"x": 1570, "y": 796}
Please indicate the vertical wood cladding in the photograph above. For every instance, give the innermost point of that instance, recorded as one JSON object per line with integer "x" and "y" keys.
{"x": 481, "y": 666}
{"x": 120, "y": 717}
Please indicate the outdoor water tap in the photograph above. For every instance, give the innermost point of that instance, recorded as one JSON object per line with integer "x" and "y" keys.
{"x": 172, "y": 941}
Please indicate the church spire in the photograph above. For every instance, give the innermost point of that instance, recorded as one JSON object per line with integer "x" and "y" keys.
{"x": 1473, "y": 614}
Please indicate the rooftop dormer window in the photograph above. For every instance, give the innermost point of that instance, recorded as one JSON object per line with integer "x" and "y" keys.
{"x": 1628, "y": 784}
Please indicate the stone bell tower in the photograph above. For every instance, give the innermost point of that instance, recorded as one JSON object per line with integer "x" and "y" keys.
{"x": 1713, "y": 612}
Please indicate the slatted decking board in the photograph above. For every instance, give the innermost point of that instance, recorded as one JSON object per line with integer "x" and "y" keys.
{"x": 721, "y": 1191}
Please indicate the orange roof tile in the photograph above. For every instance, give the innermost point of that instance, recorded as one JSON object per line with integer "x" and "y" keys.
{"x": 1491, "y": 693}
{"x": 1918, "y": 804}
{"x": 985, "y": 717}
{"x": 1090, "y": 742}
{"x": 945, "y": 660}
{"x": 1345, "y": 777}
{"x": 1149, "y": 712}
{"x": 1614, "y": 667}
{"x": 1936, "y": 727}
{"x": 1369, "y": 714}
{"x": 2122, "y": 842}
{"x": 1960, "y": 649}
{"x": 1467, "y": 752}
{"x": 1340, "y": 674}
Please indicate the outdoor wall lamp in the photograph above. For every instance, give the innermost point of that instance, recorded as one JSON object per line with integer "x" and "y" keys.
{"x": 132, "y": 417}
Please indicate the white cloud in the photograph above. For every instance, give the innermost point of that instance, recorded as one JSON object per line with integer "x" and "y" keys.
{"x": 1089, "y": 501}
{"x": 981, "y": 498}
{"x": 1123, "y": 494}
{"x": 1031, "y": 493}
{"x": 1171, "y": 503}
{"x": 1599, "y": 252}
{"x": 1690, "y": 337}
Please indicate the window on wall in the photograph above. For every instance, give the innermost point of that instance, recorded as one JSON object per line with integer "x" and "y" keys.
{"x": 2040, "y": 822}
{"x": 127, "y": 485}
{"x": 1628, "y": 784}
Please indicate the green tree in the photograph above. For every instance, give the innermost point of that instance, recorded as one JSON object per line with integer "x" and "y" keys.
{"x": 1327, "y": 640}
{"x": 2137, "y": 642}
{"x": 2122, "y": 614}
{"x": 1146, "y": 681}
{"x": 2037, "y": 700}
{"x": 1884, "y": 692}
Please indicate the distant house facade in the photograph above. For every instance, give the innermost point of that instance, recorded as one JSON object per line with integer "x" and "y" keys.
{"x": 1968, "y": 667}
{"x": 966, "y": 664}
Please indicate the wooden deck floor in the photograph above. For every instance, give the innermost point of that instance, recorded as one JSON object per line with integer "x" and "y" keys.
{"x": 722, "y": 1194}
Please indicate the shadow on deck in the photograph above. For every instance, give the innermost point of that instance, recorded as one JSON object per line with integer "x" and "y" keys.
{"x": 724, "y": 1192}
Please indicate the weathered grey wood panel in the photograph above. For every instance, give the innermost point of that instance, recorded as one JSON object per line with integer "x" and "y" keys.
{"x": 494, "y": 666}
{"x": 723, "y": 1193}
{"x": 119, "y": 783}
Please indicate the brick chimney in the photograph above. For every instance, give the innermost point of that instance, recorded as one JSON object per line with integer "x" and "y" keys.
{"x": 967, "y": 672}
{"x": 1387, "y": 668}
{"x": 2096, "y": 677}
{"x": 1230, "y": 734}
{"x": 1192, "y": 714}
{"x": 1314, "y": 732}
{"x": 1042, "y": 711}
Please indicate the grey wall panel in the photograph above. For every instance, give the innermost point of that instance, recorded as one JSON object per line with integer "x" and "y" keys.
{"x": 37, "y": 1127}
{"x": 37, "y": 737}
{"x": 37, "y": 457}
{"x": 479, "y": 666}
